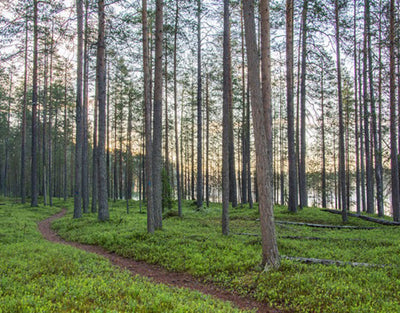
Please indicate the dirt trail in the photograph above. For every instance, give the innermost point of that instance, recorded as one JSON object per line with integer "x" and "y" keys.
{"x": 156, "y": 273}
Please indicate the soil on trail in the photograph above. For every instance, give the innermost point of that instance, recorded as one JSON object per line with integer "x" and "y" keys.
{"x": 156, "y": 273}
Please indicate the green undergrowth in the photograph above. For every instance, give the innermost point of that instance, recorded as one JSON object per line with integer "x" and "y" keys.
{"x": 39, "y": 276}
{"x": 194, "y": 244}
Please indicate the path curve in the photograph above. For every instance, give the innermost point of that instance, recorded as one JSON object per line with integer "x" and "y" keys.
{"x": 156, "y": 273}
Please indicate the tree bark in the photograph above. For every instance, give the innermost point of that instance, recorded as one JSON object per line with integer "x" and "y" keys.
{"x": 323, "y": 174}
{"x": 262, "y": 119}
{"x": 342, "y": 169}
{"x": 178, "y": 174}
{"x": 358, "y": 195}
{"x": 147, "y": 109}
{"x": 199, "y": 113}
{"x": 85, "y": 145}
{"x": 378, "y": 152}
{"x": 79, "y": 124}
{"x": 94, "y": 152}
{"x": 302, "y": 165}
{"x": 227, "y": 87}
{"x": 245, "y": 143}
{"x": 393, "y": 119}
{"x": 157, "y": 120}
{"x": 368, "y": 156}
{"x": 23, "y": 126}
{"x": 103, "y": 213}
{"x": 290, "y": 114}
{"x": 34, "y": 163}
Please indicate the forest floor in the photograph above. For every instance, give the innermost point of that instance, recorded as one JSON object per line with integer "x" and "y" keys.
{"x": 155, "y": 272}
{"x": 326, "y": 265}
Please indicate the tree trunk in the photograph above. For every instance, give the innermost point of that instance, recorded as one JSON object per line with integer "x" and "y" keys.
{"x": 378, "y": 152}
{"x": 129, "y": 174}
{"x": 262, "y": 119}
{"x": 244, "y": 118}
{"x": 323, "y": 174}
{"x": 78, "y": 143}
{"x": 50, "y": 137}
{"x": 393, "y": 119}
{"x": 227, "y": 99}
{"x": 199, "y": 114}
{"x": 65, "y": 174}
{"x": 302, "y": 165}
{"x": 103, "y": 213}
{"x": 358, "y": 196}
{"x": 342, "y": 169}
{"x": 290, "y": 115}
{"x": 85, "y": 145}
{"x": 178, "y": 174}
{"x": 157, "y": 120}
{"x": 23, "y": 126}
{"x": 368, "y": 156}
{"x": 94, "y": 152}
{"x": 34, "y": 163}
{"x": 207, "y": 142}
{"x": 147, "y": 109}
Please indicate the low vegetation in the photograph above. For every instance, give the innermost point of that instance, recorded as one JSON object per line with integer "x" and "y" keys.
{"x": 38, "y": 276}
{"x": 194, "y": 244}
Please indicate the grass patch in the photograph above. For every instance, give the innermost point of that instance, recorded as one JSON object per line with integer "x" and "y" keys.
{"x": 194, "y": 244}
{"x": 39, "y": 276}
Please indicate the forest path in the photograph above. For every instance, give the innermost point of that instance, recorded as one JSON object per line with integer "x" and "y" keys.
{"x": 156, "y": 273}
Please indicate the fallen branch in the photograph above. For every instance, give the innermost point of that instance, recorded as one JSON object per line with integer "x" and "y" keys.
{"x": 367, "y": 218}
{"x": 330, "y": 262}
{"x": 324, "y": 226}
{"x": 301, "y": 237}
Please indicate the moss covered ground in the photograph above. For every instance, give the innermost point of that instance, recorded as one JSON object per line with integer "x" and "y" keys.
{"x": 39, "y": 276}
{"x": 195, "y": 244}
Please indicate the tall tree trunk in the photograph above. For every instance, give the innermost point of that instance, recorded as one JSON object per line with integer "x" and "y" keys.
{"x": 227, "y": 98}
{"x": 342, "y": 169}
{"x": 290, "y": 115}
{"x": 78, "y": 143}
{"x": 270, "y": 254}
{"x": 23, "y": 126}
{"x": 65, "y": 174}
{"x": 94, "y": 152}
{"x": 103, "y": 213}
{"x": 207, "y": 141}
{"x": 107, "y": 134}
{"x": 323, "y": 174}
{"x": 147, "y": 109}
{"x": 393, "y": 119}
{"x": 6, "y": 185}
{"x": 50, "y": 137}
{"x": 358, "y": 196}
{"x": 129, "y": 174}
{"x": 44, "y": 116}
{"x": 157, "y": 120}
{"x": 34, "y": 163}
{"x": 262, "y": 119}
{"x": 244, "y": 118}
{"x": 166, "y": 141}
{"x": 374, "y": 130}
{"x": 368, "y": 156}
{"x": 178, "y": 174}
{"x": 302, "y": 165}
{"x": 85, "y": 145}
{"x": 192, "y": 145}
{"x": 248, "y": 156}
{"x": 199, "y": 114}
{"x": 362, "y": 169}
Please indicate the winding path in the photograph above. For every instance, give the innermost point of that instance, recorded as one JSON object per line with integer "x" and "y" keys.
{"x": 156, "y": 273}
